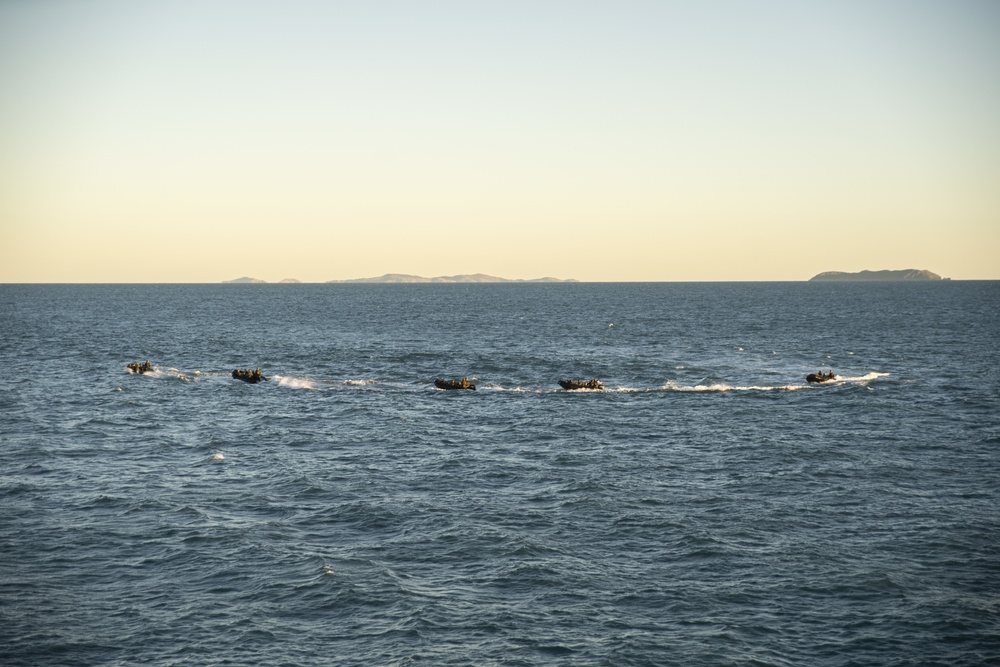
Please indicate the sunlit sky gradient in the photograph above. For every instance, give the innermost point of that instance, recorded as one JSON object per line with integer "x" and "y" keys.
{"x": 720, "y": 140}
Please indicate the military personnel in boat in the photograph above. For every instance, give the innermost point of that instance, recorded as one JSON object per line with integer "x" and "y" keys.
{"x": 247, "y": 375}
{"x": 570, "y": 385}
{"x": 454, "y": 384}
{"x": 136, "y": 367}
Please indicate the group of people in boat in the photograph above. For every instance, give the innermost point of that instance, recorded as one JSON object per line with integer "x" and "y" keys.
{"x": 136, "y": 367}
{"x": 247, "y": 375}
{"x": 454, "y": 384}
{"x": 570, "y": 385}
{"x": 820, "y": 377}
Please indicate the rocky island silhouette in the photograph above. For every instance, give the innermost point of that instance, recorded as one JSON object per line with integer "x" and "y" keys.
{"x": 883, "y": 275}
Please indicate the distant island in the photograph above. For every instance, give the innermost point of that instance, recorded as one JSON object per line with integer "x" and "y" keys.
{"x": 405, "y": 278}
{"x": 466, "y": 278}
{"x": 885, "y": 275}
{"x": 245, "y": 279}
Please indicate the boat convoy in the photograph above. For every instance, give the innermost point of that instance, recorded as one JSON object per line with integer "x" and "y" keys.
{"x": 255, "y": 376}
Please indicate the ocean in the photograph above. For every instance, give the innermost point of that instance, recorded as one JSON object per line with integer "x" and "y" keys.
{"x": 709, "y": 507}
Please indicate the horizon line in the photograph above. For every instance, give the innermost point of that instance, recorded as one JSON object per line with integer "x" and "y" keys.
{"x": 499, "y": 282}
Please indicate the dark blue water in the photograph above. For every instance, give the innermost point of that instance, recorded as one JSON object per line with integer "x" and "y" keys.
{"x": 709, "y": 508}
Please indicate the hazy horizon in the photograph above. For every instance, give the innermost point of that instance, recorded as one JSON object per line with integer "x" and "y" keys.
{"x": 506, "y": 280}
{"x": 190, "y": 142}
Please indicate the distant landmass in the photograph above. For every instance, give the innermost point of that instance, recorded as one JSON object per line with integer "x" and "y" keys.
{"x": 466, "y": 278}
{"x": 245, "y": 279}
{"x": 405, "y": 278}
{"x": 885, "y": 275}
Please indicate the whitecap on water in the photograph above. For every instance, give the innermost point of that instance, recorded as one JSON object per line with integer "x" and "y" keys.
{"x": 721, "y": 387}
{"x": 174, "y": 373}
{"x": 294, "y": 383}
{"x": 874, "y": 375}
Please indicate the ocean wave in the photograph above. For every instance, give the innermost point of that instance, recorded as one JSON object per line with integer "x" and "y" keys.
{"x": 295, "y": 382}
{"x": 721, "y": 387}
{"x": 171, "y": 373}
{"x": 725, "y": 387}
{"x": 514, "y": 390}
{"x": 863, "y": 378}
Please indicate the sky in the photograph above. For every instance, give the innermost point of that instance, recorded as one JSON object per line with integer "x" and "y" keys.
{"x": 201, "y": 141}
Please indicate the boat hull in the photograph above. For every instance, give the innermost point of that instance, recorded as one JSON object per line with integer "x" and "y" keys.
{"x": 573, "y": 385}
{"x": 454, "y": 384}
{"x": 248, "y": 376}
